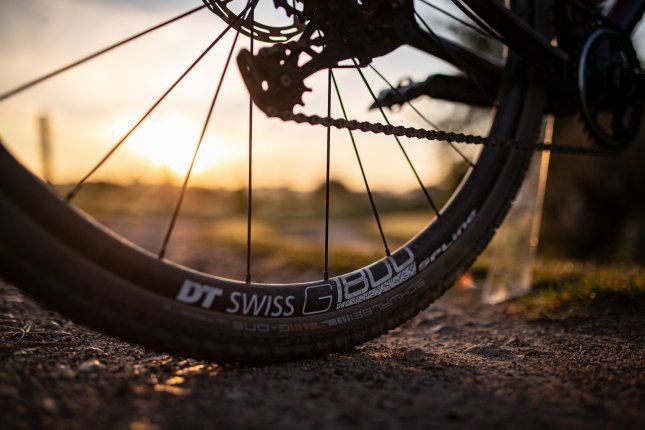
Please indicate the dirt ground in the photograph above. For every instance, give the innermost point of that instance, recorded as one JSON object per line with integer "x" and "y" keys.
{"x": 458, "y": 364}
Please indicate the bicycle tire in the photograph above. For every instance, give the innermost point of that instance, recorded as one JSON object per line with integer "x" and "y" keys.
{"x": 64, "y": 258}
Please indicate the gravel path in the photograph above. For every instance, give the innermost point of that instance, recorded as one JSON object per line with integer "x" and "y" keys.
{"x": 458, "y": 364}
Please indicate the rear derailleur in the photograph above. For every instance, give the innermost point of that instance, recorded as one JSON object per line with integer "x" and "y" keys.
{"x": 335, "y": 31}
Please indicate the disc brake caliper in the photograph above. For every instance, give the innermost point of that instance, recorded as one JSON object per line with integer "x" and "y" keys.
{"x": 335, "y": 31}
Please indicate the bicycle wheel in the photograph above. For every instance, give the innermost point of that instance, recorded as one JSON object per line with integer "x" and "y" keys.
{"x": 61, "y": 255}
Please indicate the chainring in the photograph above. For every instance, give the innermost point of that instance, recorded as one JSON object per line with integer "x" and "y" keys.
{"x": 607, "y": 73}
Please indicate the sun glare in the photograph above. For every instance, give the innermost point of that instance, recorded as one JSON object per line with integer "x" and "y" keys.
{"x": 169, "y": 142}
{"x": 166, "y": 142}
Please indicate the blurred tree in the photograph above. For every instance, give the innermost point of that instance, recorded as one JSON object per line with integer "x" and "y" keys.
{"x": 595, "y": 206}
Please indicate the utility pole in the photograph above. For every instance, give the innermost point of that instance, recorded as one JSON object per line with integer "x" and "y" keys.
{"x": 45, "y": 146}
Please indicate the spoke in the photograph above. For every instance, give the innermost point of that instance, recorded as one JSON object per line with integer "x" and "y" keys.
{"x": 80, "y": 184}
{"x": 456, "y": 61}
{"x": 421, "y": 115}
{"x": 250, "y": 185}
{"x": 486, "y": 33}
{"x": 326, "y": 270}
{"x": 83, "y": 60}
{"x": 184, "y": 186}
{"x": 360, "y": 164}
{"x": 398, "y": 141}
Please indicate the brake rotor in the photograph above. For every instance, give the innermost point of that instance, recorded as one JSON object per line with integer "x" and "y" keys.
{"x": 260, "y": 31}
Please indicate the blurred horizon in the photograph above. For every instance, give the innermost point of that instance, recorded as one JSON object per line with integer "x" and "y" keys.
{"x": 91, "y": 107}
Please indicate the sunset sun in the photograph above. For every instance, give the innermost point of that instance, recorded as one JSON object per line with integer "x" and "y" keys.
{"x": 170, "y": 141}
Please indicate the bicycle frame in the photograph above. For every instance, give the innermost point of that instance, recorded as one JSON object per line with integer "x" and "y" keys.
{"x": 522, "y": 38}
{"x": 625, "y": 13}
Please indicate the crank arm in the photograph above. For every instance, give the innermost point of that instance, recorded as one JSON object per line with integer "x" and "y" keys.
{"x": 451, "y": 88}
{"x": 482, "y": 68}
{"x": 458, "y": 89}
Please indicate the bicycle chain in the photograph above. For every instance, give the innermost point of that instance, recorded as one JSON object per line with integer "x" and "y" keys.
{"x": 438, "y": 135}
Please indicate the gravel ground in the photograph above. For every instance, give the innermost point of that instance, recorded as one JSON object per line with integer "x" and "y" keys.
{"x": 458, "y": 364}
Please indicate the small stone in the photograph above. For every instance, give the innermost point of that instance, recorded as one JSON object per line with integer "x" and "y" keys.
{"x": 138, "y": 389}
{"x": 65, "y": 372}
{"x": 513, "y": 341}
{"x": 487, "y": 350}
{"x": 90, "y": 366}
{"x": 443, "y": 329}
{"x": 49, "y": 404}
{"x": 413, "y": 355}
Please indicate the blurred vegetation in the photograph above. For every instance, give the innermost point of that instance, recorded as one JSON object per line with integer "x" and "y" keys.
{"x": 594, "y": 207}
{"x": 149, "y": 200}
{"x": 299, "y": 252}
{"x": 288, "y": 225}
{"x": 567, "y": 290}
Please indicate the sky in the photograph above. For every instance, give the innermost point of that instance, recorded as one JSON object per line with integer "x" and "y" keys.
{"x": 91, "y": 107}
